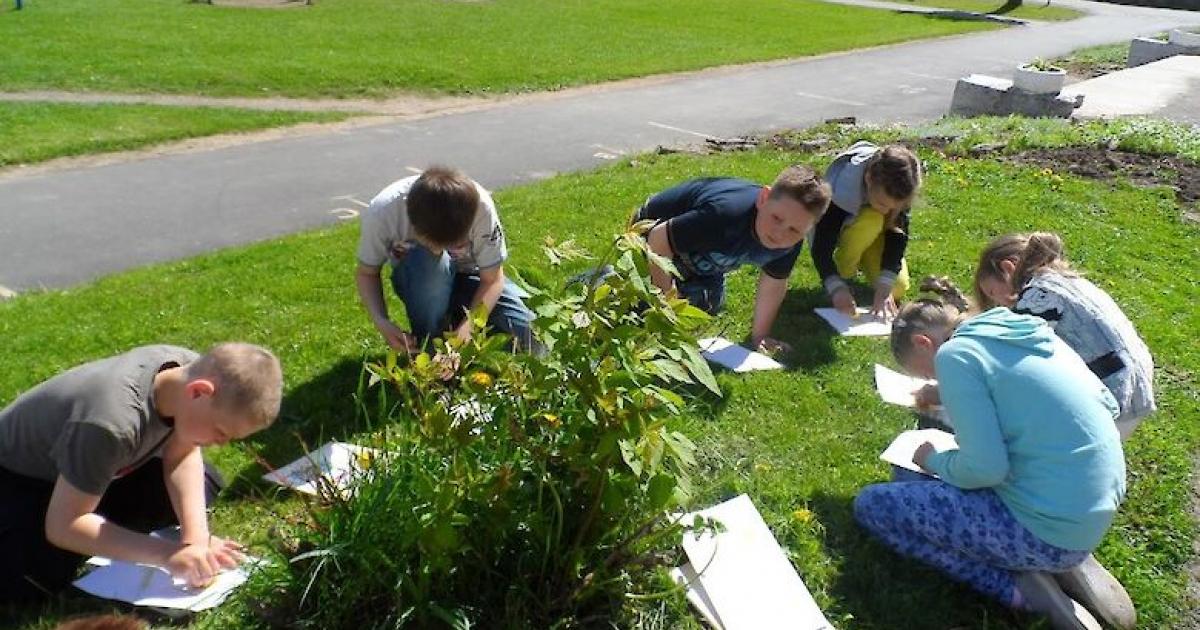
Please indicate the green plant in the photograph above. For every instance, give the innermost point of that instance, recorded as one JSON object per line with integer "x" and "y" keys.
{"x": 518, "y": 490}
{"x": 1042, "y": 65}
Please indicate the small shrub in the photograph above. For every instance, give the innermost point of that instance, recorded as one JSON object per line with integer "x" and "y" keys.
{"x": 517, "y": 490}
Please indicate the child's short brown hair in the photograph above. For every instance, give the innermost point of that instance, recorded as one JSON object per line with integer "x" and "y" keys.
{"x": 896, "y": 170}
{"x": 803, "y": 185}
{"x": 442, "y": 204}
{"x": 248, "y": 379}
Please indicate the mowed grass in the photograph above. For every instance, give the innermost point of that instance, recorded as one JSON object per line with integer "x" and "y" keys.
{"x": 34, "y": 132}
{"x": 800, "y": 442}
{"x": 377, "y": 47}
{"x": 1029, "y": 10}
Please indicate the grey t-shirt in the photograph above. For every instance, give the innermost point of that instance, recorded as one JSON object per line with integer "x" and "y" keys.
{"x": 90, "y": 424}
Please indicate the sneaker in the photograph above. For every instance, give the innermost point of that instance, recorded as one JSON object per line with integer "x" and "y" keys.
{"x": 1043, "y": 595}
{"x": 1093, "y": 586}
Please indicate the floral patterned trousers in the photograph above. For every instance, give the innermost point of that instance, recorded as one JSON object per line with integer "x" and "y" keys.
{"x": 970, "y": 535}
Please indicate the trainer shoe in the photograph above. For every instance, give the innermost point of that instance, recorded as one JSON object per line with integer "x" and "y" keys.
{"x": 1043, "y": 595}
{"x": 1094, "y": 587}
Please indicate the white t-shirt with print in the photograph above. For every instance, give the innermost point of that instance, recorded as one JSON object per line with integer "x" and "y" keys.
{"x": 386, "y": 232}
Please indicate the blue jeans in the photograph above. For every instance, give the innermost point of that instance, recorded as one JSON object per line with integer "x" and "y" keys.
{"x": 436, "y": 297}
{"x": 706, "y": 293}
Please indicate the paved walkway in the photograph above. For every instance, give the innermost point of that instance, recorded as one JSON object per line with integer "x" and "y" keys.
{"x": 64, "y": 227}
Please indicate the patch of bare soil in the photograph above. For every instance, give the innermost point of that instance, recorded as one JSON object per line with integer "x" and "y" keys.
{"x": 1101, "y": 163}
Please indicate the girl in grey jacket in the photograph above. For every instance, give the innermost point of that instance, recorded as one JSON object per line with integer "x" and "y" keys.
{"x": 1028, "y": 273}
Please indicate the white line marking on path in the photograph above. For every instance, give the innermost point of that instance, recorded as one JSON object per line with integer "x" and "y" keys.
{"x": 414, "y": 170}
{"x": 352, "y": 199}
{"x": 681, "y": 130}
{"x": 344, "y": 214}
{"x": 926, "y": 76}
{"x": 831, "y": 99}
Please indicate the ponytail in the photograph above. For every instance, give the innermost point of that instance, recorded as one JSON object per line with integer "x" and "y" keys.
{"x": 927, "y": 314}
{"x": 1043, "y": 250}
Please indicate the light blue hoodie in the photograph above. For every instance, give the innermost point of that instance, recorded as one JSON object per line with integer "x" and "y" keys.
{"x": 1034, "y": 424}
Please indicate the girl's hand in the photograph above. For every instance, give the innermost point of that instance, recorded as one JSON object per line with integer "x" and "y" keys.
{"x": 922, "y": 455}
{"x": 928, "y": 396}
{"x": 844, "y": 302}
{"x": 884, "y": 306}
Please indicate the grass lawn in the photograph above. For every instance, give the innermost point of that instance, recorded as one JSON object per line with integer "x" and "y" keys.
{"x": 1029, "y": 10}
{"x": 377, "y": 47}
{"x": 1095, "y": 61}
{"x": 801, "y": 442}
{"x": 33, "y": 132}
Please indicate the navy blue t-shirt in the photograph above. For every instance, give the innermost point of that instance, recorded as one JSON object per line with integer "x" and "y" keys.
{"x": 710, "y": 225}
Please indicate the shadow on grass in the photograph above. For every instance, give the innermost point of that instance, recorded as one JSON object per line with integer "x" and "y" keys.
{"x": 323, "y": 409}
{"x": 954, "y": 15}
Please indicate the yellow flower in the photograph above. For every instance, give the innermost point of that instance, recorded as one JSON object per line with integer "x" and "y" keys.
{"x": 482, "y": 379}
{"x": 760, "y": 467}
{"x": 552, "y": 420}
{"x": 802, "y": 515}
{"x": 365, "y": 459}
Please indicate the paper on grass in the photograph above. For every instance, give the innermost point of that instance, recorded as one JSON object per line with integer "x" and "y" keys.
{"x": 728, "y": 354}
{"x": 687, "y": 577}
{"x": 748, "y": 581}
{"x": 863, "y": 324}
{"x": 900, "y": 451}
{"x": 142, "y": 585}
{"x": 151, "y": 586}
{"x": 336, "y": 463}
{"x": 897, "y": 388}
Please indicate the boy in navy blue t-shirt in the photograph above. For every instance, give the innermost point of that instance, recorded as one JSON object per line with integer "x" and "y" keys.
{"x": 710, "y": 226}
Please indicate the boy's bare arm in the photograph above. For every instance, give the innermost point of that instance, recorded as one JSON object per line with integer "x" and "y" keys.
{"x": 660, "y": 244}
{"x": 767, "y": 301}
{"x": 72, "y": 524}
{"x": 370, "y": 291}
{"x": 183, "y": 474}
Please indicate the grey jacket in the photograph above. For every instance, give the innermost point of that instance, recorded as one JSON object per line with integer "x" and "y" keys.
{"x": 1089, "y": 321}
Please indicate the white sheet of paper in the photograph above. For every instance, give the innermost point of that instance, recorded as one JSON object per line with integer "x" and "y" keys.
{"x": 337, "y": 462}
{"x": 900, "y": 451}
{"x": 745, "y": 574}
{"x": 863, "y": 325}
{"x": 725, "y": 353}
{"x": 151, "y": 586}
{"x": 897, "y": 388}
{"x": 687, "y": 577}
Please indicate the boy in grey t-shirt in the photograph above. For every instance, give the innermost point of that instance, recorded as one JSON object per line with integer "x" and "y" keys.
{"x": 113, "y": 446}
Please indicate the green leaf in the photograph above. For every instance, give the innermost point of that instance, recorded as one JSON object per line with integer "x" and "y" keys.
{"x": 660, "y": 490}
{"x": 699, "y": 368}
{"x": 630, "y": 455}
{"x": 670, "y": 369}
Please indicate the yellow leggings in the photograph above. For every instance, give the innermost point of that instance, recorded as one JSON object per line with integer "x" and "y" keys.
{"x": 861, "y": 246}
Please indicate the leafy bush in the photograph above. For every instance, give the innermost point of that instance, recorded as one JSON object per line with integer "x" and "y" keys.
{"x": 517, "y": 490}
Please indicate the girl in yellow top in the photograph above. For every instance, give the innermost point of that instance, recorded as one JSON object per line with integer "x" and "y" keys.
{"x": 866, "y": 226}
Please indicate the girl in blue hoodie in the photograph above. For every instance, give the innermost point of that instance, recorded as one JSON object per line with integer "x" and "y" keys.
{"x": 1037, "y": 476}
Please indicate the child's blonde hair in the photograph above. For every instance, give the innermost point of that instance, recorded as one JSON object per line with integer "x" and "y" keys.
{"x": 248, "y": 379}
{"x": 804, "y": 185}
{"x": 1030, "y": 253}
{"x": 897, "y": 171}
{"x": 925, "y": 315}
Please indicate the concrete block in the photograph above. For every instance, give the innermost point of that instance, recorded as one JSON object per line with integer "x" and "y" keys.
{"x": 981, "y": 95}
{"x": 1144, "y": 50}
